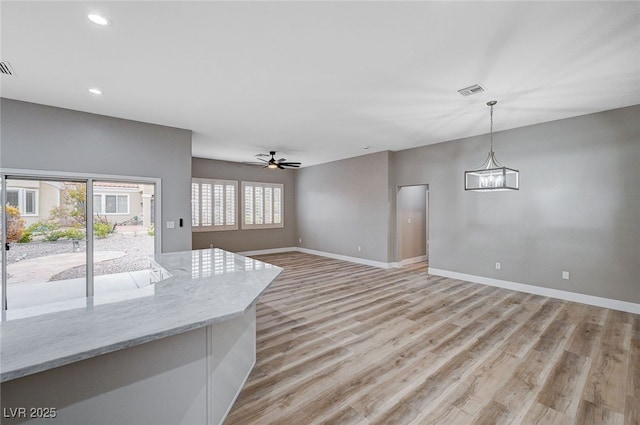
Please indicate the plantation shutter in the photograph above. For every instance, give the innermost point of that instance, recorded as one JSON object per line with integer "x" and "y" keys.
{"x": 262, "y": 203}
{"x": 213, "y": 205}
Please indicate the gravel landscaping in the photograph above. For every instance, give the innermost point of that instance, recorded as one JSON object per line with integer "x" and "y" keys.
{"x": 137, "y": 246}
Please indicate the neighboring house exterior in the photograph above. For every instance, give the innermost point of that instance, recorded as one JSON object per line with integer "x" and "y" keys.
{"x": 33, "y": 198}
{"x": 120, "y": 203}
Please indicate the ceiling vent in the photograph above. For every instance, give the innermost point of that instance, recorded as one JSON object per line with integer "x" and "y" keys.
{"x": 5, "y": 68}
{"x": 468, "y": 91}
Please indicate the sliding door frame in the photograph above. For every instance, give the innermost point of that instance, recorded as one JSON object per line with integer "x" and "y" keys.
{"x": 88, "y": 179}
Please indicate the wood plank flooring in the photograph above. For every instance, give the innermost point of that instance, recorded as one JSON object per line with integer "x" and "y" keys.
{"x": 343, "y": 343}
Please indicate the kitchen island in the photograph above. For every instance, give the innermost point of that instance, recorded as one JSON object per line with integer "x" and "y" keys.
{"x": 174, "y": 352}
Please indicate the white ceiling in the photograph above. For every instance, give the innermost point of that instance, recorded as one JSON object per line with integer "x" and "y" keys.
{"x": 318, "y": 81}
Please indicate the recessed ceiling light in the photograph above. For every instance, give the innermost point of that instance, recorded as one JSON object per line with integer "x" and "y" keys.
{"x": 365, "y": 147}
{"x": 98, "y": 19}
{"x": 93, "y": 90}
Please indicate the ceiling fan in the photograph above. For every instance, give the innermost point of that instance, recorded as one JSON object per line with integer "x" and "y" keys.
{"x": 276, "y": 163}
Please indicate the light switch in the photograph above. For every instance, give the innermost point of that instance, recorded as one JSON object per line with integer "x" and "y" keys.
{"x": 171, "y": 224}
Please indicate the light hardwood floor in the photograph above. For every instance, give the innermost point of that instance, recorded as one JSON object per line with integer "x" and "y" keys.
{"x": 343, "y": 343}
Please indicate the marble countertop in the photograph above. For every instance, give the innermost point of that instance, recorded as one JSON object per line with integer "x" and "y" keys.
{"x": 198, "y": 288}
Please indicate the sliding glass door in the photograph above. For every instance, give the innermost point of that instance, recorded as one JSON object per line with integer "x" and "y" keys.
{"x": 124, "y": 235}
{"x": 46, "y": 241}
{"x": 53, "y": 252}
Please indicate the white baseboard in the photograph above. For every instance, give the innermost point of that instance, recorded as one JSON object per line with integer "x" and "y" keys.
{"x": 320, "y": 253}
{"x": 521, "y": 287}
{"x": 539, "y": 290}
{"x": 346, "y": 258}
{"x": 268, "y": 251}
{"x": 408, "y": 261}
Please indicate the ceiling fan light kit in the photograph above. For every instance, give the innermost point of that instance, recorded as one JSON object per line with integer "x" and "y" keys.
{"x": 274, "y": 163}
{"x": 491, "y": 176}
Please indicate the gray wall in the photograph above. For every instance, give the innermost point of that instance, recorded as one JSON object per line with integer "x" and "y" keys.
{"x": 38, "y": 137}
{"x": 578, "y": 208}
{"x": 251, "y": 239}
{"x": 345, "y": 204}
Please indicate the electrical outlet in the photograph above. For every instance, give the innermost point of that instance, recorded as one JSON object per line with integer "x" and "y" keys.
{"x": 359, "y": 248}
{"x": 300, "y": 240}
{"x": 498, "y": 266}
{"x": 171, "y": 224}
{"x": 565, "y": 275}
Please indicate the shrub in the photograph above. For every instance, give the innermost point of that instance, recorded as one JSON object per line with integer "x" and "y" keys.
{"x": 72, "y": 211}
{"x": 54, "y": 235}
{"x": 102, "y": 230}
{"x": 74, "y": 234}
{"x": 15, "y": 224}
{"x": 26, "y": 237}
{"x": 47, "y": 228}
{"x": 58, "y": 215}
{"x": 40, "y": 227}
{"x": 76, "y": 199}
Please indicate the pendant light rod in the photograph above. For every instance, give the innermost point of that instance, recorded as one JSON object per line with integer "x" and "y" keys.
{"x": 490, "y": 104}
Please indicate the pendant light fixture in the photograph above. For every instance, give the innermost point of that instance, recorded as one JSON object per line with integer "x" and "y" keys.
{"x": 491, "y": 175}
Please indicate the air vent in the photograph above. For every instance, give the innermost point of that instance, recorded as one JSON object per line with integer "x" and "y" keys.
{"x": 5, "y": 68}
{"x": 468, "y": 91}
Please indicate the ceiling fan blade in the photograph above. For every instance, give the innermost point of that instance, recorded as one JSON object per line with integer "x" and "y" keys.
{"x": 253, "y": 163}
{"x": 272, "y": 162}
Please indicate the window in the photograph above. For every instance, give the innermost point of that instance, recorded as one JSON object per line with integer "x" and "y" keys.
{"x": 213, "y": 205}
{"x": 26, "y": 200}
{"x": 262, "y": 205}
{"x": 30, "y": 202}
{"x": 110, "y": 204}
{"x": 13, "y": 198}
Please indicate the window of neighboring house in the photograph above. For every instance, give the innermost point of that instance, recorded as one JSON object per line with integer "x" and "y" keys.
{"x": 26, "y": 200}
{"x": 262, "y": 204}
{"x": 213, "y": 204}
{"x": 30, "y": 201}
{"x": 13, "y": 198}
{"x": 110, "y": 204}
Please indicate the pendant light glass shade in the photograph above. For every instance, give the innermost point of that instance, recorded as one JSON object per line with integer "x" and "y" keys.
{"x": 491, "y": 175}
